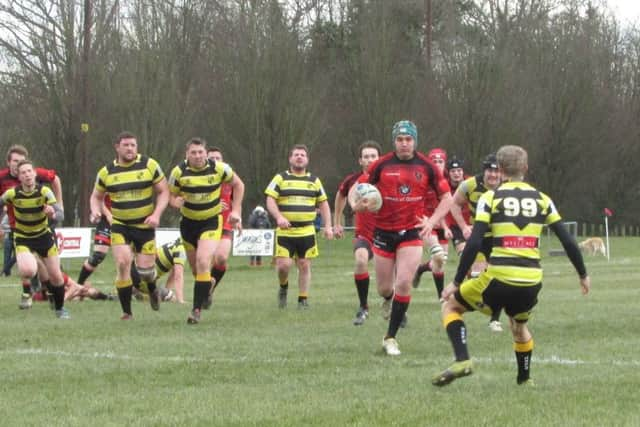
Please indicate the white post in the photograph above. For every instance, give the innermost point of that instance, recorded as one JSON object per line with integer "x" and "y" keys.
{"x": 606, "y": 232}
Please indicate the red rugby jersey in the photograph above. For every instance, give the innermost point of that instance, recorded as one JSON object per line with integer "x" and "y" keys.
{"x": 226, "y": 194}
{"x": 404, "y": 186}
{"x": 364, "y": 221}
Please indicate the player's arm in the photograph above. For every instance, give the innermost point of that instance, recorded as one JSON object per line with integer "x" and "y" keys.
{"x": 441, "y": 211}
{"x": 573, "y": 252}
{"x": 95, "y": 202}
{"x": 162, "y": 201}
{"x": 471, "y": 249}
{"x": 56, "y": 187}
{"x": 272, "y": 207}
{"x": 52, "y": 208}
{"x": 325, "y": 213}
{"x": 459, "y": 200}
{"x": 106, "y": 212}
{"x": 235, "y": 216}
{"x": 339, "y": 204}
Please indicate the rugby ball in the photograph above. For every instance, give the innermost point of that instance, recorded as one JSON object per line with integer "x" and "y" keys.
{"x": 369, "y": 193}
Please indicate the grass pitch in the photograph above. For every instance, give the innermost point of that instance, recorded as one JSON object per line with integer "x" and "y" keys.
{"x": 249, "y": 363}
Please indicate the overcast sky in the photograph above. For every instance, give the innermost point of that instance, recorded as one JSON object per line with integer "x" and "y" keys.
{"x": 626, "y": 10}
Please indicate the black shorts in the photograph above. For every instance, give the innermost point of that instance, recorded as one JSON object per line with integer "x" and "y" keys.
{"x": 142, "y": 239}
{"x": 361, "y": 242}
{"x": 298, "y": 246}
{"x": 44, "y": 245}
{"x": 386, "y": 243}
{"x": 457, "y": 236}
{"x": 517, "y": 301}
{"x": 102, "y": 235}
{"x": 192, "y": 230}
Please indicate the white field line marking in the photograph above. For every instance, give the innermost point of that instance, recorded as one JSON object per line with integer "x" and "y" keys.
{"x": 552, "y": 360}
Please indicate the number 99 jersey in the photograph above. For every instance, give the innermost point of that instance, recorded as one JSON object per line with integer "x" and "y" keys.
{"x": 516, "y": 213}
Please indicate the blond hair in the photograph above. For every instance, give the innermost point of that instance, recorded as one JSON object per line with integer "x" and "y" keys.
{"x": 513, "y": 161}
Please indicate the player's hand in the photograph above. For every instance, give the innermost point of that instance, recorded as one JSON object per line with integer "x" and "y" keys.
{"x": 224, "y": 205}
{"x": 585, "y": 285}
{"x": 49, "y": 211}
{"x": 283, "y": 222}
{"x": 328, "y": 233}
{"x": 449, "y": 290}
{"x": 152, "y": 220}
{"x": 361, "y": 205}
{"x": 94, "y": 217}
{"x": 466, "y": 232}
{"x": 108, "y": 217}
{"x": 425, "y": 226}
{"x": 178, "y": 202}
{"x": 338, "y": 231}
{"x": 236, "y": 221}
{"x": 447, "y": 233}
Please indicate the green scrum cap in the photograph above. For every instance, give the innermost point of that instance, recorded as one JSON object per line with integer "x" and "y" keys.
{"x": 405, "y": 127}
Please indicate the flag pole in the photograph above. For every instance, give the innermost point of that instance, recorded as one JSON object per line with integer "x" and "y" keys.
{"x": 606, "y": 232}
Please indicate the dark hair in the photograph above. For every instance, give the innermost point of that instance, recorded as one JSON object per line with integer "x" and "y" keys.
{"x": 197, "y": 141}
{"x": 369, "y": 144}
{"x": 124, "y": 135}
{"x": 17, "y": 149}
{"x": 299, "y": 147}
{"x": 212, "y": 149}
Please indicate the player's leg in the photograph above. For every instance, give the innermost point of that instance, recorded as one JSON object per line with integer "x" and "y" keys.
{"x": 408, "y": 257}
{"x": 304, "y": 281}
{"x": 468, "y": 297}
{"x": 362, "y": 254}
{"x": 122, "y": 257}
{"x": 518, "y": 307}
{"x": 52, "y": 263}
{"x": 27, "y": 268}
{"x": 283, "y": 260}
{"x": 203, "y": 258}
{"x": 306, "y": 250}
{"x": 101, "y": 244}
{"x": 438, "y": 256}
{"x": 220, "y": 259}
{"x": 425, "y": 266}
{"x": 523, "y": 348}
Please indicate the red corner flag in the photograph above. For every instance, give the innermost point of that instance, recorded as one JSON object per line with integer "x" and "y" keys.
{"x": 608, "y": 212}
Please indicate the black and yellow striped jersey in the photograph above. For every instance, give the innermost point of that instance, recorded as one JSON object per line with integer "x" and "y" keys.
{"x": 169, "y": 255}
{"x": 31, "y": 221}
{"x": 297, "y": 197}
{"x": 130, "y": 188}
{"x": 516, "y": 213}
{"x": 472, "y": 188}
{"x": 200, "y": 188}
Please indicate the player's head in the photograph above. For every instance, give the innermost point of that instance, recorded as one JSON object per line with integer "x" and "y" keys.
{"x": 15, "y": 154}
{"x": 26, "y": 172}
{"x": 456, "y": 170}
{"x": 491, "y": 174}
{"x": 438, "y": 157}
{"x": 513, "y": 161}
{"x": 405, "y": 139}
{"x": 215, "y": 154}
{"x": 126, "y": 146}
{"x": 196, "y": 152}
{"x": 369, "y": 153}
{"x": 299, "y": 158}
